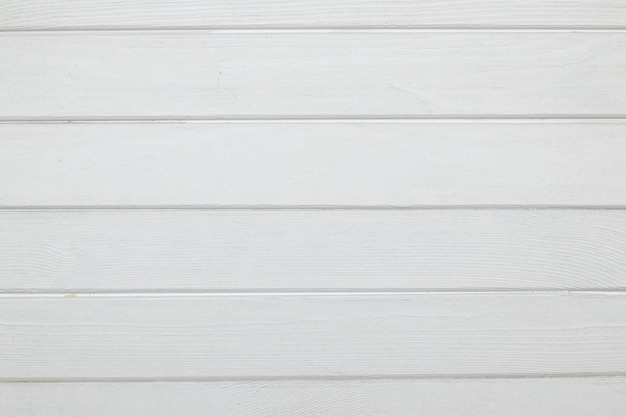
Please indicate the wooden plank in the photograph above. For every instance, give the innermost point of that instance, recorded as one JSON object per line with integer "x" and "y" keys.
{"x": 574, "y": 397}
{"x": 147, "y": 14}
{"x": 313, "y": 164}
{"x": 160, "y": 74}
{"x": 303, "y": 250}
{"x": 286, "y": 335}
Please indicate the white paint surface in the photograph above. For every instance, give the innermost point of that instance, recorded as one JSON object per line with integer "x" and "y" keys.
{"x": 150, "y": 14}
{"x": 320, "y": 208}
{"x": 266, "y": 250}
{"x": 571, "y": 397}
{"x": 304, "y": 164}
{"x": 182, "y": 74}
{"x": 224, "y": 336}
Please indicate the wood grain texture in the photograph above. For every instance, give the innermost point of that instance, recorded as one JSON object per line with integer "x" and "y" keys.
{"x": 313, "y": 164}
{"x": 163, "y": 74}
{"x": 303, "y": 250}
{"x": 147, "y": 14}
{"x": 228, "y": 336}
{"x": 575, "y": 397}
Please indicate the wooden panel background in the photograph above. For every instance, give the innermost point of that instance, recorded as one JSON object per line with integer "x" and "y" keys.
{"x": 572, "y": 397}
{"x": 282, "y": 250}
{"x": 313, "y": 208}
{"x": 150, "y": 14}
{"x": 309, "y": 335}
{"x": 200, "y": 74}
{"x": 314, "y": 164}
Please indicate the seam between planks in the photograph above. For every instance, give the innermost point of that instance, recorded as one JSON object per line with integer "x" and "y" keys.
{"x": 325, "y": 29}
{"x": 450, "y": 118}
{"x": 106, "y": 208}
{"x": 314, "y": 292}
{"x": 371, "y": 377}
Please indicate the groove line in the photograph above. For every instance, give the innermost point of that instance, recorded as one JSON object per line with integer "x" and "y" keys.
{"x": 450, "y": 118}
{"x": 252, "y": 378}
{"x": 313, "y": 292}
{"x": 268, "y": 28}
{"x": 199, "y": 207}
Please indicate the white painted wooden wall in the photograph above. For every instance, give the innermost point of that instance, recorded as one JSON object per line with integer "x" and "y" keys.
{"x": 317, "y": 208}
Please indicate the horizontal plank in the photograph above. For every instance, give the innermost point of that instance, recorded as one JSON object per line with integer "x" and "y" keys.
{"x": 574, "y": 397}
{"x": 146, "y": 14}
{"x": 303, "y": 250}
{"x": 160, "y": 74}
{"x": 345, "y": 164}
{"x": 230, "y": 335}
